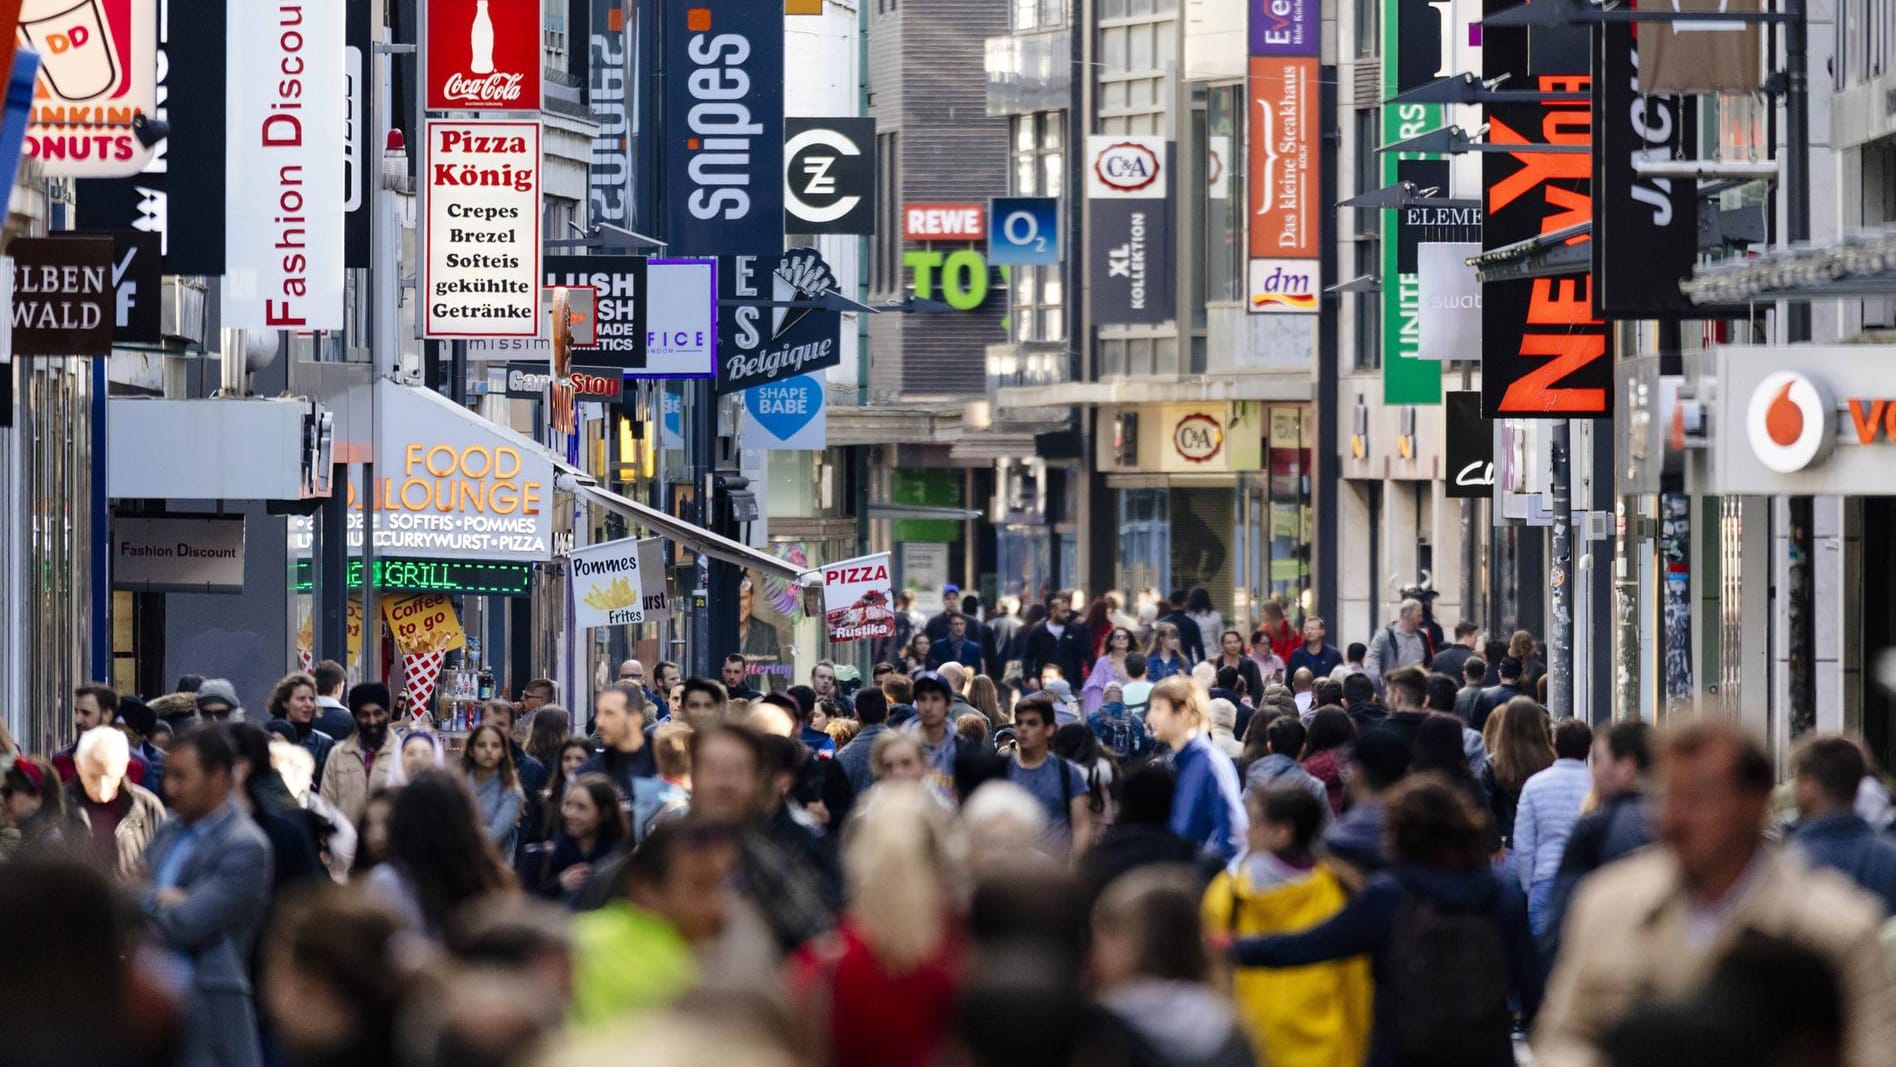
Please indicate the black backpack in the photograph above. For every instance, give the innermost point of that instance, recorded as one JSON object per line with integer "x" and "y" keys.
{"x": 1449, "y": 973}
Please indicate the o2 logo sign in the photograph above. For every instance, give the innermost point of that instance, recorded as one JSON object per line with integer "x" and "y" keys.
{"x": 1198, "y": 438}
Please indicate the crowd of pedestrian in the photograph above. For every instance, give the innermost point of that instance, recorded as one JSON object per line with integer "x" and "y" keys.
{"x": 1070, "y": 836}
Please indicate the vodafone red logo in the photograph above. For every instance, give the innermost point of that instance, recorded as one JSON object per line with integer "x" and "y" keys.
{"x": 1790, "y": 422}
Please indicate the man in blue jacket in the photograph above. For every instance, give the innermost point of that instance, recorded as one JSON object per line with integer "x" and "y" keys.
{"x": 1208, "y": 804}
{"x": 1826, "y": 772}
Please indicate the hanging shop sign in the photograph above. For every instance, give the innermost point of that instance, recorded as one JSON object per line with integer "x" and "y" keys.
{"x": 62, "y": 296}
{"x": 1129, "y": 209}
{"x": 1024, "y": 230}
{"x": 1285, "y": 238}
{"x": 137, "y": 201}
{"x": 1284, "y": 27}
{"x": 137, "y": 275}
{"x": 98, "y": 71}
{"x": 608, "y": 582}
{"x": 178, "y": 553}
{"x": 675, "y": 299}
{"x": 285, "y": 137}
{"x": 1448, "y": 301}
{"x": 1468, "y": 447}
{"x": 682, "y": 324}
{"x": 787, "y": 414}
{"x": 423, "y": 622}
{"x": 1187, "y": 438}
{"x": 856, "y": 599}
{"x": 1803, "y": 419}
{"x": 483, "y": 55}
{"x": 361, "y": 161}
{"x": 1645, "y": 230}
{"x": 829, "y": 176}
{"x": 618, "y": 321}
{"x": 482, "y": 272}
{"x": 768, "y": 344}
{"x": 944, "y": 222}
{"x": 1545, "y": 351}
{"x": 609, "y": 74}
{"x": 1416, "y": 51}
{"x": 723, "y": 151}
{"x": 529, "y": 381}
{"x": 1702, "y": 57}
{"x": 462, "y": 577}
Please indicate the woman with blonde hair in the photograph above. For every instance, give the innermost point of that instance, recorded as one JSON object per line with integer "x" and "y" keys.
{"x": 1523, "y": 747}
{"x": 880, "y": 989}
{"x": 1166, "y": 657}
{"x": 986, "y": 698}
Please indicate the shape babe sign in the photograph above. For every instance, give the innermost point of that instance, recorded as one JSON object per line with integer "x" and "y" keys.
{"x": 856, "y": 599}
{"x": 787, "y": 414}
{"x": 609, "y": 582}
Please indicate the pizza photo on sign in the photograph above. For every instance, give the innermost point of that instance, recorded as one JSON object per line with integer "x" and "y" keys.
{"x": 856, "y": 599}
{"x": 869, "y": 616}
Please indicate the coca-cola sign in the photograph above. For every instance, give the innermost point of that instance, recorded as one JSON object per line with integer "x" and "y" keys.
{"x": 483, "y": 55}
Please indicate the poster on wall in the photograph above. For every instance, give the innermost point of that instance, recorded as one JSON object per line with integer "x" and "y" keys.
{"x": 98, "y": 72}
{"x": 284, "y": 143}
{"x": 481, "y": 277}
{"x": 856, "y": 599}
{"x": 608, "y": 583}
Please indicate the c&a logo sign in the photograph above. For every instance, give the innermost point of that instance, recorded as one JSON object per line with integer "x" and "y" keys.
{"x": 1125, "y": 167}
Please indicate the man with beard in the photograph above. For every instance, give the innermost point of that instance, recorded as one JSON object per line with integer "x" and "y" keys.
{"x": 362, "y": 763}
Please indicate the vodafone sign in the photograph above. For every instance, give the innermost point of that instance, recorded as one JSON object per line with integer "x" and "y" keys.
{"x": 1816, "y": 419}
{"x": 1789, "y": 421}
{"x": 483, "y": 55}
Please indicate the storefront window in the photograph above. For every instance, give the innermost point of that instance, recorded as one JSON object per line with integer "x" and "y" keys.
{"x": 1225, "y": 192}
{"x": 1292, "y": 436}
{"x": 1145, "y": 540}
{"x": 1039, "y": 169}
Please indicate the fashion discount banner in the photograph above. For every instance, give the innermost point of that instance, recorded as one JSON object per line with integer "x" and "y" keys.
{"x": 1545, "y": 352}
{"x": 856, "y": 599}
{"x": 481, "y": 277}
{"x": 1284, "y": 268}
{"x": 483, "y": 55}
{"x": 1645, "y": 230}
{"x": 285, "y": 135}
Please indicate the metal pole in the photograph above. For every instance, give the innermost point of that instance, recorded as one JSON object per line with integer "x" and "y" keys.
{"x": 1471, "y": 553}
{"x": 1560, "y": 578}
{"x": 1801, "y": 667}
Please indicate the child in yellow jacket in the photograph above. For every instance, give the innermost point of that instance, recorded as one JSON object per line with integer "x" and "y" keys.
{"x": 1318, "y": 1015}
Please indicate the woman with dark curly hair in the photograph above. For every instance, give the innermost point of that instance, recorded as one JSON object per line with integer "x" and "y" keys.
{"x": 439, "y": 857}
{"x": 1447, "y": 937}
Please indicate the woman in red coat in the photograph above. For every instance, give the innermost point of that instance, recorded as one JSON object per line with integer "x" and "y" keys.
{"x": 879, "y": 991}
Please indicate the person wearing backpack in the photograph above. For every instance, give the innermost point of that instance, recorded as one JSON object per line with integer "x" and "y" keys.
{"x": 1060, "y": 787}
{"x": 1118, "y": 729}
{"x": 1447, "y": 938}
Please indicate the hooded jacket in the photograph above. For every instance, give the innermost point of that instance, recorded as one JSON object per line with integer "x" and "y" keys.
{"x": 1368, "y": 924}
{"x": 1312, "y": 1016}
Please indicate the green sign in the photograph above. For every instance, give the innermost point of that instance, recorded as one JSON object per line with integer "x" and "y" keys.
{"x": 434, "y": 576}
{"x": 962, "y": 276}
{"x": 926, "y": 488}
{"x": 1406, "y": 379}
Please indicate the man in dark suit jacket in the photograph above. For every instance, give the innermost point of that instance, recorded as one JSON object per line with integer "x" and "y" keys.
{"x": 1060, "y": 640}
{"x": 957, "y": 646}
{"x": 1496, "y": 697}
{"x": 210, "y": 870}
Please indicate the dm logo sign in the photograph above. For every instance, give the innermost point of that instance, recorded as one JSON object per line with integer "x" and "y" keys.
{"x": 1284, "y": 286}
{"x": 1198, "y": 438}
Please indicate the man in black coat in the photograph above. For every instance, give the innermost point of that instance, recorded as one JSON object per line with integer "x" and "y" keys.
{"x": 1060, "y": 640}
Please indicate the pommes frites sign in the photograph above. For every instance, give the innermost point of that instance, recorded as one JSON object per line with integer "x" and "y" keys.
{"x": 610, "y": 583}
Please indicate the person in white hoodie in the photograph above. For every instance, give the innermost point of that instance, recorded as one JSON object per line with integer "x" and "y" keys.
{"x": 1151, "y": 969}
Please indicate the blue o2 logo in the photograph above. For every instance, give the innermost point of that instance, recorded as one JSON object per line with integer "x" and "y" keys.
{"x": 1024, "y": 230}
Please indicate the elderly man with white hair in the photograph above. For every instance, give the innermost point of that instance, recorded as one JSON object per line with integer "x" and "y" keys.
{"x": 121, "y": 817}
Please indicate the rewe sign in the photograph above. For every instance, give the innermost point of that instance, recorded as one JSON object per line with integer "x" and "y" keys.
{"x": 944, "y": 222}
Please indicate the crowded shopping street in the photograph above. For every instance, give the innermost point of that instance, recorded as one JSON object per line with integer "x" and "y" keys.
{"x": 966, "y": 533}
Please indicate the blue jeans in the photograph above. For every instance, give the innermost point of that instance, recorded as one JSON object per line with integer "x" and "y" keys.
{"x": 1538, "y": 896}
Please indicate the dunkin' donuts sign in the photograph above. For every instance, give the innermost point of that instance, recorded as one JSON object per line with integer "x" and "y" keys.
{"x": 483, "y": 55}
{"x": 98, "y": 71}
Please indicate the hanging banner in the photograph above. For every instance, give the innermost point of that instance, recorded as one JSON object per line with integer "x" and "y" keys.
{"x": 1284, "y": 27}
{"x": 619, "y": 318}
{"x": 609, "y": 73}
{"x": 1024, "y": 230}
{"x": 137, "y": 202}
{"x": 608, "y": 583}
{"x": 1704, "y": 57}
{"x": 676, "y": 297}
{"x": 483, "y": 55}
{"x": 723, "y": 149}
{"x": 1284, "y": 268}
{"x": 786, "y": 415}
{"x": 1450, "y": 303}
{"x": 482, "y": 269}
{"x": 1129, "y": 210}
{"x": 768, "y": 344}
{"x": 425, "y": 622}
{"x": 1545, "y": 352}
{"x": 856, "y": 599}
{"x": 1468, "y": 450}
{"x": 1645, "y": 230}
{"x": 98, "y": 71}
{"x": 62, "y": 296}
{"x": 829, "y": 176}
{"x": 1416, "y": 50}
{"x": 285, "y": 140}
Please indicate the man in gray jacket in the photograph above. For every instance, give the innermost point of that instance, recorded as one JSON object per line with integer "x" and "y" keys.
{"x": 210, "y": 870}
{"x": 1402, "y": 643}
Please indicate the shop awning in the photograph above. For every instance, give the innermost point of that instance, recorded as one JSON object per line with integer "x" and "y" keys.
{"x": 691, "y": 535}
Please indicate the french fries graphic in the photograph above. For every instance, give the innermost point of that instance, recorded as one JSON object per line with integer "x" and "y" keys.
{"x": 619, "y": 594}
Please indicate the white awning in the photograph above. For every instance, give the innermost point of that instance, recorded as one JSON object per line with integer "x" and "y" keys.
{"x": 691, "y": 535}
